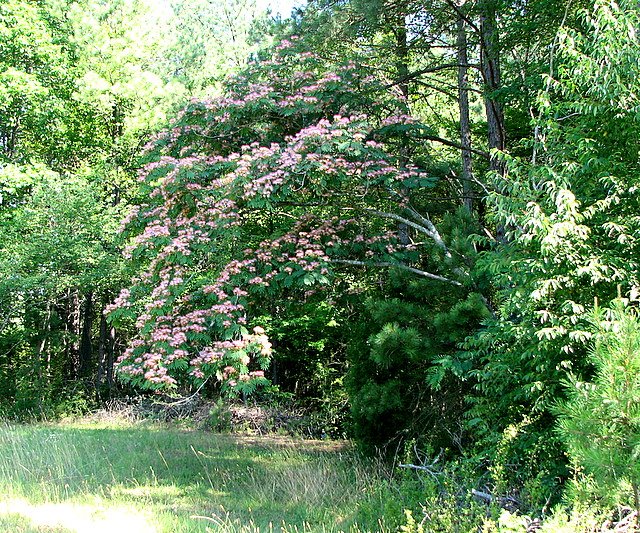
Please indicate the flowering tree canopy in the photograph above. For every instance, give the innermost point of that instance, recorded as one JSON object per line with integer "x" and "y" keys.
{"x": 290, "y": 175}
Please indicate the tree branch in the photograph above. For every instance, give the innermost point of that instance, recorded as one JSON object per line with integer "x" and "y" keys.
{"x": 431, "y": 230}
{"x": 463, "y": 16}
{"x": 428, "y": 70}
{"x": 388, "y": 264}
{"x": 423, "y": 468}
{"x": 422, "y": 229}
{"x": 454, "y": 144}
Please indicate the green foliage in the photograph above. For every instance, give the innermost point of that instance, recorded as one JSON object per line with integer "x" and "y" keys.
{"x": 267, "y": 191}
{"x": 122, "y": 76}
{"x": 570, "y": 225}
{"x": 284, "y": 203}
{"x": 309, "y": 363}
{"x": 435, "y": 499}
{"x": 205, "y": 42}
{"x": 56, "y": 240}
{"x": 81, "y": 84}
{"x": 600, "y": 421}
{"x": 406, "y": 378}
{"x": 35, "y": 84}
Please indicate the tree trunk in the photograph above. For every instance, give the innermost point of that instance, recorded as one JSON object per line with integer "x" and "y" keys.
{"x": 465, "y": 121}
{"x": 402, "y": 53}
{"x": 402, "y": 71}
{"x": 65, "y": 316}
{"x": 85, "y": 348}
{"x": 102, "y": 350}
{"x": 42, "y": 350}
{"x": 75, "y": 329}
{"x": 490, "y": 64}
{"x": 110, "y": 362}
{"x": 636, "y": 503}
{"x": 106, "y": 359}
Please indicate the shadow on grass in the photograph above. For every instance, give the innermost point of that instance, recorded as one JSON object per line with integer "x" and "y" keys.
{"x": 173, "y": 480}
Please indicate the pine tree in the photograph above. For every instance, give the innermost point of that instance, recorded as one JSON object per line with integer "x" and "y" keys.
{"x": 600, "y": 421}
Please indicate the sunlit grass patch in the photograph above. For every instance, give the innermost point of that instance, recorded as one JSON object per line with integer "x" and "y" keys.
{"x": 73, "y": 517}
{"x": 83, "y": 477}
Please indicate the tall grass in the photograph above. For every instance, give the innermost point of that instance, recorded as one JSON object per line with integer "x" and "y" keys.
{"x": 126, "y": 477}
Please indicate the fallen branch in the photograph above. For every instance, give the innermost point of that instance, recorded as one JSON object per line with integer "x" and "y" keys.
{"x": 506, "y": 502}
{"x": 627, "y": 522}
{"x": 482, "y": 496}
{"x": 422, "y": 468}
{"x": 416, "y": 467}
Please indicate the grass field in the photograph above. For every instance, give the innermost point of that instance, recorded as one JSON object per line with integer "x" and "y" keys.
{"x": 125, "y": 477}
{"x": 120, "y": 476}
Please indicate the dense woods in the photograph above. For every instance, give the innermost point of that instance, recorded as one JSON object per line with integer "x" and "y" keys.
{"x": 417, "y": 220}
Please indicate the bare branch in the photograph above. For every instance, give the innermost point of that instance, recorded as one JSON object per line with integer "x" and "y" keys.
{"x": 432, "y": 231}
{"x": 463, "y": 16}
{"x": 388, "y": 264}
{"x": 422, "y": 229}
{"x": 428, "y": 228}
{"x": 505, "y": 502}
{"x": 454, "y": 144}
{"x": 428, "y": 70}
{"x": 427, "y": 469}
{"x": 483, "y": 496}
